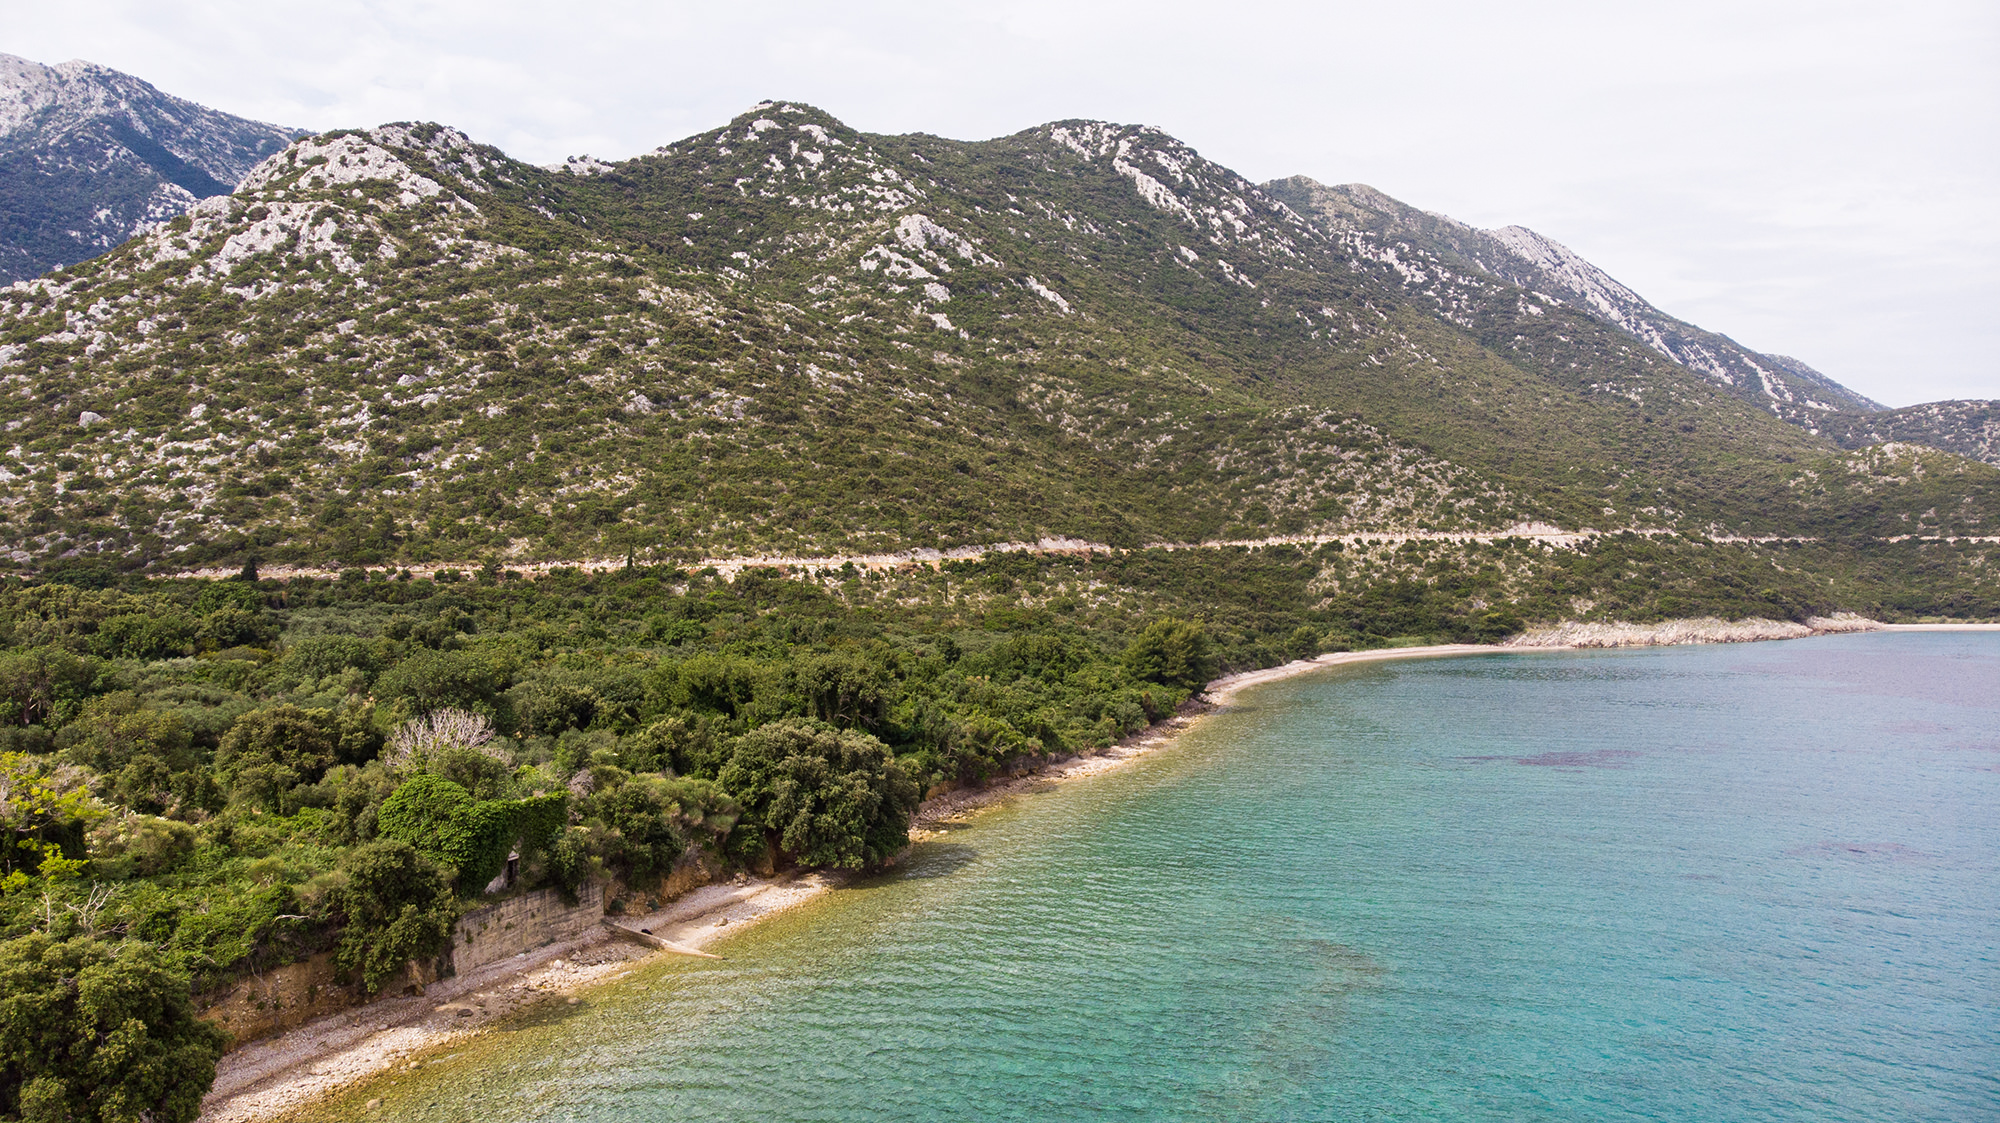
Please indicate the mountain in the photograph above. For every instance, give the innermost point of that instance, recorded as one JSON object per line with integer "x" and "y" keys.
{"x": 1969, "y": 428}
{"x": 784, "y": 336}
{"x": 90, "y": 156}
{"x": 1785, "y": 386}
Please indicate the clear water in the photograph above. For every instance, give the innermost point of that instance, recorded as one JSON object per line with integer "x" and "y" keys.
{"x": 1756, "y": 882}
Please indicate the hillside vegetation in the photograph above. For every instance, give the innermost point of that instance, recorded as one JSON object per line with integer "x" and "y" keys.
{"x": 785, "y": 336}
{"x": 1969, "y": 428}
{"x": 211, "y": 766}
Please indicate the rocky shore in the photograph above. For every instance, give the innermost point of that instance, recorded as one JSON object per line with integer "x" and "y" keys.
{"x": 1705, "y": 629}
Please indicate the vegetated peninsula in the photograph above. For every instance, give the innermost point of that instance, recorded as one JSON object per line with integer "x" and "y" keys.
{"x": 600, "y": 529}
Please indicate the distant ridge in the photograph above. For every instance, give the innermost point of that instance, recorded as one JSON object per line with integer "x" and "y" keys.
{"x": 1783, "y": 385}
{"x": 90, "y": 156}
{"x": 1969, "y": 428}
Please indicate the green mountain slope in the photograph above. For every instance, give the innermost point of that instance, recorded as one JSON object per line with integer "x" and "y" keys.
{"x": 784, "y": 336}
{"x": 1969, "y": 428}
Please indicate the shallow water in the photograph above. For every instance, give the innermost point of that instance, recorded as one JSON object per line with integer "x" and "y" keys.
{"x": 1752, "y": 882}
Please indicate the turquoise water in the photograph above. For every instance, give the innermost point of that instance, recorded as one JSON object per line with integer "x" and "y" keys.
{"x": 1756, "y": 882}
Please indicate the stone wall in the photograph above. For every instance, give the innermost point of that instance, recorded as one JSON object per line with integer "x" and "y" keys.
{"x": 504, "y": 929}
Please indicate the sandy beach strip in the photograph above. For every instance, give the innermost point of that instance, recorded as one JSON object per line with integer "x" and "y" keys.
{"x": 1937, "y": 627}
{"x": 270, "y": 1079}
{"x": 960, "y": 804}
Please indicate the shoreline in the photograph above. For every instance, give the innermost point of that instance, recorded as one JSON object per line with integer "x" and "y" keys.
{"x": 276, "y": 1077}
{"x": 273, "y": 1078}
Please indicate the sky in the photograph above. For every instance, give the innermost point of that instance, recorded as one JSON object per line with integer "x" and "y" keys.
{"x": 1813, "y": 179}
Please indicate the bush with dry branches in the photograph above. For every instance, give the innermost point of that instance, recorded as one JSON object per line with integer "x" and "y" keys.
{"x": 420, "y": 741}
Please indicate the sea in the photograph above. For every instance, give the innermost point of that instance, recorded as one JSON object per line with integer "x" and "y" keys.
{"x": 1727, "y": 883}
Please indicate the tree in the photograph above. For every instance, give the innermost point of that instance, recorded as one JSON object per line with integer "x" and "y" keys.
{"x": 147, "y": 635}
{"x": 1171, "y": 652}
{"x": 688, "y": 744}
{"x": 92, "y": 1033}
{"x": 473, "y": 836}
{"x": 656, "y": 818}
{"x": 398, "y": 907}
{"x": 548, "y": 704}
{"x": 432, "y": 680}
{"x": 269, "y": 752}
{"x": 318, "y": 656}
{"x": 420, "y": 741}
{"x": 138, "y": 750}
{"x": 844, "y": 688}
{"x": 45, "y": 808}
{"x": 44, "y": 685}
{"x": 114, "y": 729}
{"x": 831, "y": 797}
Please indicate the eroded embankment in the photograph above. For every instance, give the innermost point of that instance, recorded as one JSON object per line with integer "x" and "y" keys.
{"x": 271, "y": 1078}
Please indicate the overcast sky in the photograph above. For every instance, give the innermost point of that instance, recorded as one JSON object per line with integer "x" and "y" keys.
{"x": 1816, "y": 179}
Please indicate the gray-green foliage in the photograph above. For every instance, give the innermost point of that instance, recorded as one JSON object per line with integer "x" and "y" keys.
{"x": 827, "y": 796}
{"x": 96, "y": 1033}
{"x": 397, "y": 907}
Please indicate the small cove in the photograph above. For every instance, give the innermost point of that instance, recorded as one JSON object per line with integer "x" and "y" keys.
{"x": 1744, "y": 882}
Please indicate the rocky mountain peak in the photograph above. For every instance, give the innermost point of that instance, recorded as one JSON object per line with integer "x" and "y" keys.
{"x": 1540, "y": 264}
{"x": 89, "y": 156}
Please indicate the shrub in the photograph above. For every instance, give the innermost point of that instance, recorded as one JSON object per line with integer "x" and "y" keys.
{"x": 657, "y": 818}
{"x": 145, "y": 635}
{"x": 44, "y": 685}
{"x": 398, "y": 907}
{"x": 1171, "y": 652}
{"x": 269, "y": 752}
{"x": 316, "y": 657}
{"x": 687, "y": 744}
{"x": 830, "y": 797}
{"x": 89, "y": 1033}
{"x": 472, "y": 836}
{"x": 547, "y": 705}
{"x": 131, "y": 845}
{"x": 45, "y": 809}
{"x": 419, "y": 740}
{"x": 434, "y": 680}
{"x": 114, "y": 729}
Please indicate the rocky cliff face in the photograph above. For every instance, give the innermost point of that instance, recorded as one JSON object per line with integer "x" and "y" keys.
{"x": 90, "y": 156}
{"x": 1783, "y": 385}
